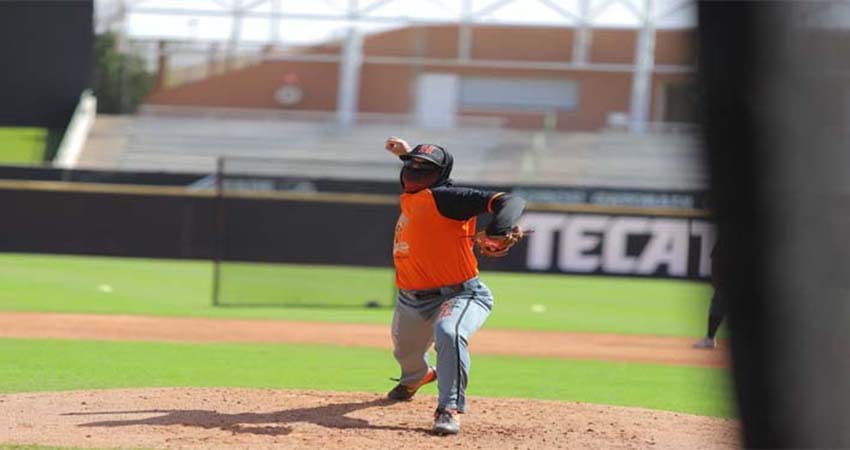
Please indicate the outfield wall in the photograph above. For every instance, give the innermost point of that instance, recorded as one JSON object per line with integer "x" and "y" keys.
{"x": 322, "y": 228}
{"x": 56, "y": 217}
{"x": 647, "y": 198}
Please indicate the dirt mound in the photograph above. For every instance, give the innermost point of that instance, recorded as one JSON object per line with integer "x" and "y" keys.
{"x": 261, "y": 418}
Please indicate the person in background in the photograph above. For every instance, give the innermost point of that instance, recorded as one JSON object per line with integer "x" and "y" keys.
{"x": 717, "y": 308}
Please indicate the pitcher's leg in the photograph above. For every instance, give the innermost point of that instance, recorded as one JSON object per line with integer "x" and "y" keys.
{"x": 412, "y": 335}
{"x": 460, "y": 318}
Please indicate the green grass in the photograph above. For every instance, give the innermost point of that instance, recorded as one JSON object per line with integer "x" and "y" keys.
{"x": 49, "y": 283}
{"x": 22, "y": 145}
{"x": 182, "y": 288}
{"x": 50, "y": 365}
{"x": 305, "y": 285}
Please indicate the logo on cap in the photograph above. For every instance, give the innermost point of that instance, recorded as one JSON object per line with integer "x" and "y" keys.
{"x": 426, "y": 149}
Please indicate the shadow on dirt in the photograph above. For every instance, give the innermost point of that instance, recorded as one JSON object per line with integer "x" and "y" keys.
{"x": 273, "y": 423}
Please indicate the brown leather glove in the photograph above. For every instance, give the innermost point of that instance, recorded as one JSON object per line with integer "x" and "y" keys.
{"x": 497, "y": 246}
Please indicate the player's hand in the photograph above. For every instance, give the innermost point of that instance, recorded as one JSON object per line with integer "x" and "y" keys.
{"x": 496, "y": 246}
{"x": 397, "y": 146}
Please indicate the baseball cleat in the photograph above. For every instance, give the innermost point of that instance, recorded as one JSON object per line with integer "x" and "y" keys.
{"x": 707, "y": 343}
{"x": 446, "y": 421}
{"x": 405, "y": 392}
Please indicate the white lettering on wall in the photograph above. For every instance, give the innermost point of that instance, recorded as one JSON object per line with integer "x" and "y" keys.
{"x": 540, "y": 242}
{"x": 577, "y": 240}
{"x": 583, "y": 235}
{"x": 614, "y": 256}
{"x": 668, "y": 244}
{"x": 708, "y": 236}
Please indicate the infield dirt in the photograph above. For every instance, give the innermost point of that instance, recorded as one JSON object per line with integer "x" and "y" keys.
{"x": 263, "y": 418}
{"x": 259, "y": 418}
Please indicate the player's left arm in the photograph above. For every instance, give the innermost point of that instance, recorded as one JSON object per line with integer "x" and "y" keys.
{"x": 506, "y": 209}
{"x": 461, "y": 203}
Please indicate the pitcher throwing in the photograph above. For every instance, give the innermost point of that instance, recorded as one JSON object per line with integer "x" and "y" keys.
{"x": 441, "y": 300}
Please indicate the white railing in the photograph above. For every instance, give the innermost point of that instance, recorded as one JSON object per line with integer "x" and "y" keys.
{"x": 77, "y": 132}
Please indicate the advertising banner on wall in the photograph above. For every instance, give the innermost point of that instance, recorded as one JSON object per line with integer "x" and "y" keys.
{"x": 355, "y": 230}
{"x": 611, "y": 244}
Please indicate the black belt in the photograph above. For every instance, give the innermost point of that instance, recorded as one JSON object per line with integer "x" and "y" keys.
{"x": 436, "y": 292}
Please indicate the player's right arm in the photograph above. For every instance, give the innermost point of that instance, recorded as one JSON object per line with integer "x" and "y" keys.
{"x": 397, "y": 146}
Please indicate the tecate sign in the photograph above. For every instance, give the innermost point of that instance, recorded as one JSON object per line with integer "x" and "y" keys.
{"x": 619, "y": 245}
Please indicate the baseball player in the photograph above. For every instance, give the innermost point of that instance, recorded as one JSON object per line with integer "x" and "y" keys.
{"x": 441, "y": 300}
{"x": 717, "y": 308}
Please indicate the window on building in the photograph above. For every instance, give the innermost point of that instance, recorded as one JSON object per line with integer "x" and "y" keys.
{"x": 518, "y": 93}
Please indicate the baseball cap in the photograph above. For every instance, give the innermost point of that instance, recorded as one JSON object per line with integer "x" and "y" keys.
{"x": 428, "y": 152}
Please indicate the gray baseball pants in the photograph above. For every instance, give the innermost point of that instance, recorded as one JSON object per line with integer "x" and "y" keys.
{"x": 446, "y": 317}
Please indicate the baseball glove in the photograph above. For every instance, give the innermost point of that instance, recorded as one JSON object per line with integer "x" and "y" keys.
{"x": 496, "y": 246}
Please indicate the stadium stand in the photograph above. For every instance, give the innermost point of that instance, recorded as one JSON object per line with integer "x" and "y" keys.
{"x": 174, "y": 139}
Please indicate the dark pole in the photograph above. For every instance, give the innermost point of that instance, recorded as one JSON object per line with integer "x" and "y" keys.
{"x": 775, "y": 89}
{"x": 218, "y": 240}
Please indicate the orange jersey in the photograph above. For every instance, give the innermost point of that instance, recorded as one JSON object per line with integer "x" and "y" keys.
{"x": 431, "y": 250}
{"x": 433, "y": 235}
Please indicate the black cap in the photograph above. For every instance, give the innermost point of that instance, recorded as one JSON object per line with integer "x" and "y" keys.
{"x": 427, "y": 152}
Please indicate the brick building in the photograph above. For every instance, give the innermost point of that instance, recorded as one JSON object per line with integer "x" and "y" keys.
{"x": 527, "y": 76}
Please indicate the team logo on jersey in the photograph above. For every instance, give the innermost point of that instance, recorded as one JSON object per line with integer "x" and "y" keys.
{"x": 446, "y": 309}
{"x": 400, "y": 248}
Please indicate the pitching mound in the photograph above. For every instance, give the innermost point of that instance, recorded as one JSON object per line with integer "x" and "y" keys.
{"x": 256, "y": 418}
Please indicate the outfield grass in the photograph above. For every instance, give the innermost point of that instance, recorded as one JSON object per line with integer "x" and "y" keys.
{"x": 22, "y": 145}
{"x": 49, "y": 365}
{"x": 263, "y": 284}
{"x": 50, "y": 283}
{"x": 182, "y": 288}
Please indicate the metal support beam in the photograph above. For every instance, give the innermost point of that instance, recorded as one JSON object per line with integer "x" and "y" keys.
{"x": 374, "y": 6}
{"x": 560, "y": 10}
{"x": 474, "y": 17}
{"x": 123, "y": 25}
{"x": 235, "y": 33}
{"x": 108, "y": 18}
{"x": 349, "y": 70}
{"x": 491, "y": 8}
{"x": 642, "y": 79}
{"x": 600, "y": 8}
{"x": 454, "y": 63}
{"x": 582, "y": 34}
{"x": 274, "y": 24}
{"x": 676, "y": 8}
{"x": 464, "y": 36}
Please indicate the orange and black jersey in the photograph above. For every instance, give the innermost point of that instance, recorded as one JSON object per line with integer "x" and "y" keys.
{"x": 433, "y": 235}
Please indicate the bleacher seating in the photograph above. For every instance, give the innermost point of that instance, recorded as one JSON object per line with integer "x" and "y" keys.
{"x": 315, "y": 145}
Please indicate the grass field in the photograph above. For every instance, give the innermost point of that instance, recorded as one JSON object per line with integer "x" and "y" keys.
{"x": 182, "y": 288}
{"x": 144, "y": 364}
{"x": 22, "y": 145}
